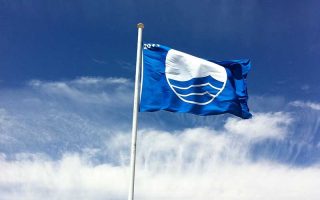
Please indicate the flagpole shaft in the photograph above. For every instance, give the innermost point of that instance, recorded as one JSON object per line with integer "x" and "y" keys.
{"x": 140, "y": 27}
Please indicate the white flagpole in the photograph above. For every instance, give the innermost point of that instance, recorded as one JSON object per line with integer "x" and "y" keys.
{"x": 140, "y": 27}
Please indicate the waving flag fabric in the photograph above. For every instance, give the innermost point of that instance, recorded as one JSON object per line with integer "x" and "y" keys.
{"x": 178, "y": 82}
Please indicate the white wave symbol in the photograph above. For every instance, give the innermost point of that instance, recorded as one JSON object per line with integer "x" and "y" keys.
{"x": 200, "y": 91}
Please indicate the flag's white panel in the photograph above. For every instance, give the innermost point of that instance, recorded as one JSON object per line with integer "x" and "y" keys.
{"x": 183, "y": 67}
{"x": 192, "y": 79}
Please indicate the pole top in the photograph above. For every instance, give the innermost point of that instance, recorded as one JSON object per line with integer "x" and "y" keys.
{"x": 140, "y": 25}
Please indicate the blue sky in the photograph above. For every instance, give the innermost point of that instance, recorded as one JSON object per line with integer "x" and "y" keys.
{"x": 59, "y": 40}
{"x": 66, "y": 91}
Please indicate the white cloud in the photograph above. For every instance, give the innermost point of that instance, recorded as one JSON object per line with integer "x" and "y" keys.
{"x": 70, "y": 140}
{"x": 101, "y": 81}
{"x": 85, "y": 81}
{"x": 190, "y": 164}
{"x": 5, "y": 123}
{"x": 55, "y": 117}
{"x": 261, "y": 126}
{"x": 307, "y": 104}
{"x": 72, "y": 177}
{"x": 88, "y": 89}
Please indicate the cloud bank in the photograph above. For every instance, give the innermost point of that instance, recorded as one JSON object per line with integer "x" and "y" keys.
{"x": 71, "y": 139}
{"x": 191, "y": 164}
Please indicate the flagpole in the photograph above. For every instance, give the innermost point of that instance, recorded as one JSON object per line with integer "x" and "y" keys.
{"x": 140, "y": 27}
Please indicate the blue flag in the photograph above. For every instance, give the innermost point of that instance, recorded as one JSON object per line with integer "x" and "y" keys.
{"x": 178, "y": 82}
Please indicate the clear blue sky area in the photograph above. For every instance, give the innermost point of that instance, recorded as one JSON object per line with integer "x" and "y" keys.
{"x": 59, "y": 40}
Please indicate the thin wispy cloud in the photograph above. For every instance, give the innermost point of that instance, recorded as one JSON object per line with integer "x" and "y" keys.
{"x": 261, "y": 126}
{"x": 306, "y": 104}
{"x": 99, "y": 61}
